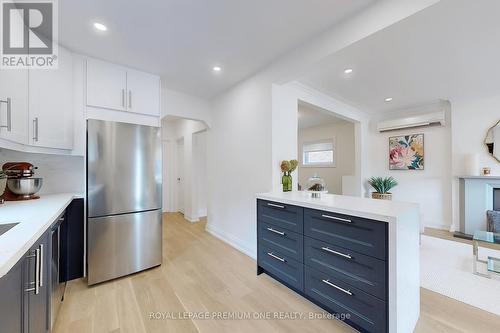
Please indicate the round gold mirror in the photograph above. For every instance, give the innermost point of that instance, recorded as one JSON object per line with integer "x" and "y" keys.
{"x": 492, "y": 141}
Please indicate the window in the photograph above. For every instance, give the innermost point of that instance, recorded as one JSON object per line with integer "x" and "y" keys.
{"x": 319, "y": 153}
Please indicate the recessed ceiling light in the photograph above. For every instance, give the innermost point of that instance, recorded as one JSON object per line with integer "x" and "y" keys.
{"x": 388, "y": 99}
{"x": 216, "y": 69}
{"x": 100, "y": 26}
{"x": 348, "y": 70}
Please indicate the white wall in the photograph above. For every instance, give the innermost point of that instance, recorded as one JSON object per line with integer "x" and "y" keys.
{"x": 431, "y": 187}
{"x": 60, "y": 173}
{"x": 251, "y": 128}
{"x": 239, "y": 162}
{"x": 174, "y": 103}
{"x": 471, "y": 120}
{"x": 172, "y": 131}
{"x": 200, "y": 171}
{"x": 343, "y": 132}
{"x": 285, "y": 128}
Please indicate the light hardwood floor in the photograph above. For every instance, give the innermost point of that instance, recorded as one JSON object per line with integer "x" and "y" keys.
{"x": 203, "y": 274}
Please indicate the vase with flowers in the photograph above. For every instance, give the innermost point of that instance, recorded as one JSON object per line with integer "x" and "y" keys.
{"x": 3, "y": 182}
{"x": 287, "y": 167}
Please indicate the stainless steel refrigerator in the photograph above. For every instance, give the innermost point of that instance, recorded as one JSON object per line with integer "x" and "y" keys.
{"x": 124, "y": 184}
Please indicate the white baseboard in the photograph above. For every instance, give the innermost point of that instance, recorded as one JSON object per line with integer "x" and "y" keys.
{"x": 446, "y": 227}
{"x": 202, "y": 212}
{"x": 235, "y": 242}
{"x": 191, "y": 219}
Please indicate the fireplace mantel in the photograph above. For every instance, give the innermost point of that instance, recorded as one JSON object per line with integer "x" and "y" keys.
{"x": 479, "y": 177}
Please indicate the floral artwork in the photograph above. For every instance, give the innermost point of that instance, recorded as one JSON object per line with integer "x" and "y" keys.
{"x": 406, "y": 152}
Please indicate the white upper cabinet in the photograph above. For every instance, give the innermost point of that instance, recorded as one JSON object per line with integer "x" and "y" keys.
{"x": 106, "y": 85}
{"x": 143, "y": 93}
{"x": 14, "y": 105}
{"x": 51, "y": 105}
{"x": 114, "y": 87}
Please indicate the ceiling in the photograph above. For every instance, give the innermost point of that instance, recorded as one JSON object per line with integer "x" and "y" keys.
{"x": 182, "y": 40}
{"x": 312, "y": 116}
{"x": 448, "y": 51}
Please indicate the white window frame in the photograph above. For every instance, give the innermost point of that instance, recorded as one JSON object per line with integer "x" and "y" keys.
{"x": 332, "y": 164}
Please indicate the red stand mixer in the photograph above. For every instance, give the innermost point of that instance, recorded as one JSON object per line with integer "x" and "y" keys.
{"x": 21, "y": 185}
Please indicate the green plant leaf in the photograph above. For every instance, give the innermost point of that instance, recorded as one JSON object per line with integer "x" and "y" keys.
{"x": 382, "y": 185}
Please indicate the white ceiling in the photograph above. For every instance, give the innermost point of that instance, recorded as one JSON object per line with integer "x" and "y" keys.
{"x": 448, "y": 51}
{"x": 183, "y": 39}
{"x": 312, "y": 116}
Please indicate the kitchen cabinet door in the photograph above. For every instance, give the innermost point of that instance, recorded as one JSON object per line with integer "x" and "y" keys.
{"x": 106, "y": 85}
{"x": 11, "y": 306}
{"x": 143, "y": 93}
{"x": 51, "y": 105}
{"x": 14, "y": 105}
{"x": 36, "y": 291}
{"x": 72, "y": 242}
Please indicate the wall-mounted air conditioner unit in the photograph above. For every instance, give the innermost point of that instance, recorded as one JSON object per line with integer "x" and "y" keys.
{"x": 421, "y": 120}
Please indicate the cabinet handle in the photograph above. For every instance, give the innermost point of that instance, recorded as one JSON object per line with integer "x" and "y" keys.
{"x": 276, "y": 231}
{"x": 8, "y": 101}
{"x": 40, "y": 279}
{"x": 327, "y": 249}
{"x": 35, "y": 129}
{"x": 130, "y": 99}
{"x": 275, "y": 257}
{"x": 336, "y": 218}
{"x": 123, "y": 97}
{"x": 348, "y": 292}
{"x": 275, "y": 205}
{"x": 36, "y": 288}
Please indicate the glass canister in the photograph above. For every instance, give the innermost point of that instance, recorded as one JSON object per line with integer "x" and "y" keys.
{"x": 316, "y": 185}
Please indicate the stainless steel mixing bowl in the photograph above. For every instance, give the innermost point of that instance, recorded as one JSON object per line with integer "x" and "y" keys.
{"x": 25, "y": 186}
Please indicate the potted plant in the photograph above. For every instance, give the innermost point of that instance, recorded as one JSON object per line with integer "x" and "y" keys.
{"x": 287, "y": 167}
{"x": 382, "y": 186}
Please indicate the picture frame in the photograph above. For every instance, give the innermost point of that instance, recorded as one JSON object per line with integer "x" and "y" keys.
{"x": 407, "y": 152}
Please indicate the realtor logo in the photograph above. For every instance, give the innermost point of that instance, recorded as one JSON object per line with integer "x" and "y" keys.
{"x": 29, "y": 34}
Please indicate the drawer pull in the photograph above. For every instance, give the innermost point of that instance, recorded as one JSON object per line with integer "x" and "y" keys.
{"x": 275, "y": 205}
{"x": 276, "y": 231}
{"x": 327, "y": 249}
{"x": 275, "y": 257}
{"x": 348, "y": 292}
{"x": 336, "y": 218}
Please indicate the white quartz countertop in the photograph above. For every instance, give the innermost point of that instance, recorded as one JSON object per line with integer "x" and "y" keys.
{"x": 382, "y": 210}
{"x": 34, "y": 217}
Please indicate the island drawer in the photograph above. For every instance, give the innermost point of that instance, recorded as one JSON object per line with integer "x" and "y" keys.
{"x": 282, "y": 266}
{"x": 354, "y": 233}
{"x": 360, "y": 271}
{"x": 281, "y": 215}
{"x": 365, "y": 312}
{"x": 288, "y": 242}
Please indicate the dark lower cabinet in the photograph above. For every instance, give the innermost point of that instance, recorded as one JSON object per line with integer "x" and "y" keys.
{"x": 335, "y": 260}
{"x": 11, "y": 300}
{"x": 36, "y": 287}
{"x": 358, "y": 270}
{"x": 26, "y": 290}
{"x": 282, "y": 266}
{"x": 360, "y": 309}
{"x": 72, "y": 242}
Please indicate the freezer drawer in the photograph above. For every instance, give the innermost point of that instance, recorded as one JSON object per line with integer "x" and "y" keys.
{"x": 123, "y": 244}
{"x": 123, "y": 168}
